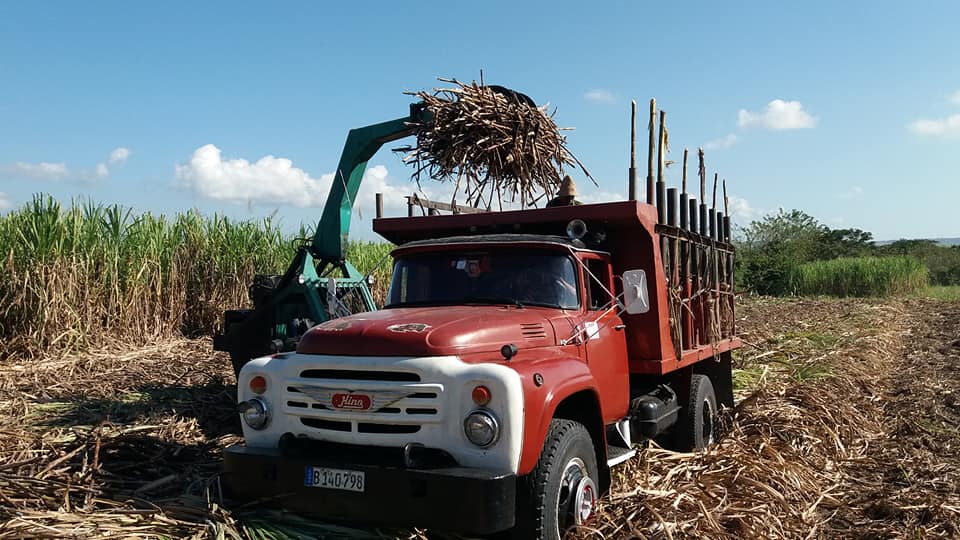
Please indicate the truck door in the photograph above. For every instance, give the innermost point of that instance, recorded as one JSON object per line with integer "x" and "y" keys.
{"x": 606, "y": 345}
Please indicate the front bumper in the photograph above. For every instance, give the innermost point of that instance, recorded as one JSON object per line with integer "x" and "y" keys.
{"x": 453, "y": 499}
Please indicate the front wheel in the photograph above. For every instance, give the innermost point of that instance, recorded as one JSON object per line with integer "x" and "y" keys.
{"x": 561, "y": 492}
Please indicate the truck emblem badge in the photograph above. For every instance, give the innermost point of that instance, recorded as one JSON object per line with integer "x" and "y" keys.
{"x": 408, "y": 327}
{"x": 356, "y": 402}
{"x": 352, "y": 400}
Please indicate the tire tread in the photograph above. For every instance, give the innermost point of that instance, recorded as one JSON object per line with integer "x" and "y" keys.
{"x": 530, "y": 514}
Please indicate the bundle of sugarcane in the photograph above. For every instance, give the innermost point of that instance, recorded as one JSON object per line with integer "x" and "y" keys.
{"x": 491, "y": 142}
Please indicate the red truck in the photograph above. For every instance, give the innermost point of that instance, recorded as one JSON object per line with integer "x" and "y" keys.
{"x": 520, "y": 355}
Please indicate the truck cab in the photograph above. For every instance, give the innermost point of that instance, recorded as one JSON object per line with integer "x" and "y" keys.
{"x": 519, "y": 356}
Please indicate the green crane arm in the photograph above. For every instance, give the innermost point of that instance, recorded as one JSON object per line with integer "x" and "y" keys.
{"x": 330, "y": 240}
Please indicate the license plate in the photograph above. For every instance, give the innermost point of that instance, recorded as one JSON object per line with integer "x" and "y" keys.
{"x": 322, "y": 477}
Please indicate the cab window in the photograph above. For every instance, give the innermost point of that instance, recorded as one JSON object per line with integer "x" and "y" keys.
{"x": 597, "y": 288}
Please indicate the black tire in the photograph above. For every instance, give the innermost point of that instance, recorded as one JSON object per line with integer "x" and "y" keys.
{"x": 238, "y": 361}
{"x": 546, "y": 497}
{"x": 698, "y": 419}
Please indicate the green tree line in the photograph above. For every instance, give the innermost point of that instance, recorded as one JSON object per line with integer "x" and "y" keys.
{"x": 780, "y": 253}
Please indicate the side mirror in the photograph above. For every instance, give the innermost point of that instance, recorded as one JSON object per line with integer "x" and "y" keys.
{"x": 636, "y": 297}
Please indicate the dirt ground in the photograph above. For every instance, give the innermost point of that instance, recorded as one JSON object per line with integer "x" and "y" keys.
{"x": 848, "y": 425}
{"x": 901, "y": 363}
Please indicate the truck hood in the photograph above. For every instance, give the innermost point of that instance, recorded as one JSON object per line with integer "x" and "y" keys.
{"x": 434, "y": 331}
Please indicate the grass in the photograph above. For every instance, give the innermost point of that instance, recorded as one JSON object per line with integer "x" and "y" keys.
{"x": 749, "y": 377}
{"x": 819, "y": 340}
{"x": 942, "y": 292}
{"x": 88, "y": 273}
{"x": 794, "y": 355}
{"x": 860, "y": 277}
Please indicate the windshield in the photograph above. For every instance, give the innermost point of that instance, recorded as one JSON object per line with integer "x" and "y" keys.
{"x": 510, "y": 276}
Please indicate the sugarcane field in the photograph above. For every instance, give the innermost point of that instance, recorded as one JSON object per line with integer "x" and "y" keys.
{"x": 529, "y": 301}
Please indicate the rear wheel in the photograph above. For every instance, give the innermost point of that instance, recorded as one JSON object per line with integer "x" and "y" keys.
{"x": 697, "y": 426}
{"x": 561, "y": 491}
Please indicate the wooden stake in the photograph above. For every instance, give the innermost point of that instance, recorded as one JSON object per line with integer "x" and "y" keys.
{"x": 661, "y": 186}
{"x": 651, "y": 149}
{"x": 684, "y": 185}
{"x": 726, "y": 201}
{"x": 715, "y": 176}
{"x": 632, "y": 186}
{"x": 703, "y": 178}
{"x": 660, "y": 156}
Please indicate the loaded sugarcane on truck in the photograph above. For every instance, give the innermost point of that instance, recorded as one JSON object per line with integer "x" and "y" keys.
{"x": 519, "y": 356}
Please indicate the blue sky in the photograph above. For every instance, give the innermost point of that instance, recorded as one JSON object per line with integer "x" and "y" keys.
{"x": 849, "y": 111}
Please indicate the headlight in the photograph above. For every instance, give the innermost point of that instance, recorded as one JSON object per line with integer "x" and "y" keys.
{"x": 255, "y": 413}
{"x": 481, "y": 428}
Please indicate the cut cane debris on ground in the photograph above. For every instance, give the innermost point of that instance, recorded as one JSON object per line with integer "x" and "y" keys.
{"x": 848, "y": 425}
{"x": 864, "y": 449}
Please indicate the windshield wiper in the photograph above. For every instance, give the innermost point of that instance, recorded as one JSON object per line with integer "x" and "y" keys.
{"x": 545, "y": 304}
{"x": 492, "y": 300}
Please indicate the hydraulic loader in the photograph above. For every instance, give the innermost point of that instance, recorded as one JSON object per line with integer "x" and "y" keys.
{"x": 320, "y": 284}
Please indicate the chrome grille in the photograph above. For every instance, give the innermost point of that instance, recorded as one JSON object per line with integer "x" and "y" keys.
{"x": 363, "y": 401}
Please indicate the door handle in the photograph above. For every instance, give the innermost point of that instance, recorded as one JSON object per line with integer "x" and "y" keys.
{"x": 619, "y": 327}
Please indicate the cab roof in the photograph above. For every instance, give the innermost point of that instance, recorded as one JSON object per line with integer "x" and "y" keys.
{"x": 503, "y": 238}
{"x": 539, "y": 222}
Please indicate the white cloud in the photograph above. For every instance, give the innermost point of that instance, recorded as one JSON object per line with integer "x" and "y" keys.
{"x": 4, "y": 202}
{"x": 741, "y": 211}
{"x": 118, "y": 156}
{"x": 722, "y": 143}
{"x": 778, "y": 115}
{"x": 377, "y": 179}
{"x": 274, "y": 180}
{"x": 938, "y": 126}
{"x": 851, "y": 193}
{"x": 600, "y": 197}
{"x": 600, "y": 95}
{"x": 955, "y": 98}
{"x": 41, "y": 171}
{"x": 268, "y": 180}
{"x": 59, "y": 171}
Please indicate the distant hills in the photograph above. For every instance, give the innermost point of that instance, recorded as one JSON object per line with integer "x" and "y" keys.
{"x": 941, "y": 241}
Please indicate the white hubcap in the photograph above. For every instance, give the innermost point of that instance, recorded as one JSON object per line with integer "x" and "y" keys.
{"x": 585, "y": 501}
{"x": 578, "y": 496}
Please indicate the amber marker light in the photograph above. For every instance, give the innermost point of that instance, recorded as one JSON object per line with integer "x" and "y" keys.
{"x": 258, "y": 384}
{"x": 481, "y": 395}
